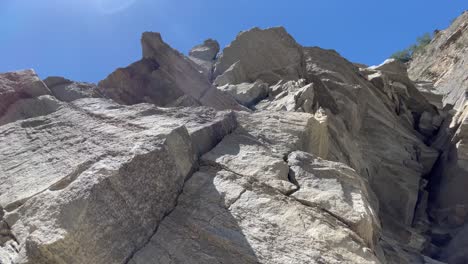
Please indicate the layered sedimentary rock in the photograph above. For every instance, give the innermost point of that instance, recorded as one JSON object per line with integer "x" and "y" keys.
{"x": 315, "y": 160}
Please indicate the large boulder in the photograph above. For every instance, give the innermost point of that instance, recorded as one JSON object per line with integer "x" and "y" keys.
{"x": 247, "y": 94}
{"x": 66, "y": 90}
{"x": 204, "y": 56}
{"x": 19, "y": 85}
{"x": 23, "y": 95}
{"x": 337, "y": 189}
{"x": 223, "y": 217}
{"x": 90, "y": 182}
{"x": 269, "y": 55}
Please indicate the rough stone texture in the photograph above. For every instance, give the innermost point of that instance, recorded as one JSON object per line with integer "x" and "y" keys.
{"x": 337, "y": 189}
{"x": 30, "y": 107}
{"x": 233, "y": 210}
{"x": 335, "y": 164}
{"x": 444, "y": 65}
{"x": 445, "y": 62}
{"x": 289, "y": 96}
{"x": 360, "y": 114}
{"x": 247, "y": 94}
{"x": 204, "y": 56}
{"x": 162, "y": 77}
{"x": 222, "y": 217}
{"x": 67, "y": 91}
{"x": 432, "y": 95}
{"x": 269, "y": 55}
{"x": 15, "y": 86}
{"x": 108, "y": 173}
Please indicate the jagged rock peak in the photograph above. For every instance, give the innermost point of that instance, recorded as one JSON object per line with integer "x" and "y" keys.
{"x": 333, "y": 157}
{"x": 266, "y": 54}
{"x": 164, "y": 77}
{"x": 206, "y": 51}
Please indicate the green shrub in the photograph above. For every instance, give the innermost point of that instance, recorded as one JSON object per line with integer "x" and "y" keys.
{"x": 408, "y": 53}
{"x": 402, "y": 55}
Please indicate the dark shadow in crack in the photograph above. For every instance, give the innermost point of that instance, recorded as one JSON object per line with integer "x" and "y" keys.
{"x": 201, "y": 229}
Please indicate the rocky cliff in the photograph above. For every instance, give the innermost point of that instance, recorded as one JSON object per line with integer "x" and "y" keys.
{"x": 269, "y": 152}
{"x": 444, "y": 64}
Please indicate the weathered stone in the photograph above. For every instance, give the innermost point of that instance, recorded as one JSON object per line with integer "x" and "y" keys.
{"x": 290, "y": 96}
{"x": 337, "y": 189}
{"x": 269, "y": 55}
{"x": 222, "y": 217}
{"x": 204, "y": 56}
{"x": 246, "y": 94}
{"x": 30, "y": 107}
{"x": 444, "y": 62}
{"x": 67, "y": 91}
{"x": 119, "y": 174}
{"x": 162, "y": 77}
{"x": 19, "y": 85}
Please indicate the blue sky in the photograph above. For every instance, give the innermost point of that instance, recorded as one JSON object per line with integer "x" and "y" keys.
{"x": 85, "y": 40}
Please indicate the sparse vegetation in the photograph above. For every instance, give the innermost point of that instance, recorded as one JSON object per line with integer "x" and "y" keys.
{"x": 408, "y": 53}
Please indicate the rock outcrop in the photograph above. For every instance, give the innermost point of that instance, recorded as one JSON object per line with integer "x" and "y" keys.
{"x": 443, "y": 68}
{"x": 267, "y": 153}
{"x": 204, "y": 56}
{"x": 269, "y": 55}
{"x": 66, "y": 90}
{"x": 445, "y": 62}
{"x": 24, "y": 95}
{"x": 162, "y": 77}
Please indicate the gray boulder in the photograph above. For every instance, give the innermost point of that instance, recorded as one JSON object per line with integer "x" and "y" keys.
{"x": 101, "y": 197}
{"x": 67, "y": 91}
{"x": 247, "y": 94}
{"x": 269, "y": 55}
{"x": 204, "y": 56}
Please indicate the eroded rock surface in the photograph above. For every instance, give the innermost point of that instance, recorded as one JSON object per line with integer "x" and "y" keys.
{"x": 269, "y": 55}
{"x": 445, "y": 62}
{"x": 334, "y": 162}
{"x": 204, "y": 56}
{"x": 107, "y": 173}
{"x": 66, "y": 90}
{"x": 162, "y": 77}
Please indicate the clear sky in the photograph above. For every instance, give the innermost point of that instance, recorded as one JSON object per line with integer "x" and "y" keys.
{"x": 85, "y": 40}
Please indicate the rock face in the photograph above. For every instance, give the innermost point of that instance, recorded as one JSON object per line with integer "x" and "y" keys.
{"x": 268, "y": 153}
{"x": 204, "y": 56}
{"x": 247, "y": 94}
{"x": 445, "y": 65}
{"x": 162, "y": 77}
{"x": 118, "y": 161}
{"x": 24, "y": 95}
{"x": 249, "y": 57}
{"x": 445, "y": 62}
{"x": 67, "y": 91}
